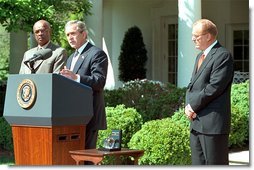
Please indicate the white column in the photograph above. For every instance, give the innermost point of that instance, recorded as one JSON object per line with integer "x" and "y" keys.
{"x": 189, "y": 12}
{"x": 94, "y": 23}
{"x": 95, "y": 27}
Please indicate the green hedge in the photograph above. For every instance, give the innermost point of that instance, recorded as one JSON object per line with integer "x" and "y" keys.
{"x": 166, "y": 142}
{"x": 126, "y": 119}
{"x": 152, "y": 99}
{"x": 5, "y": 135}
{"x": 240, "y": 109}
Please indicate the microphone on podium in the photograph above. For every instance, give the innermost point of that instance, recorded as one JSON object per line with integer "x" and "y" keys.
{"x": 40, "y": 55}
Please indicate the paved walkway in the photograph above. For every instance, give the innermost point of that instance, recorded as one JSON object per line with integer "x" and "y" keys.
{"x": 239, "y": 158}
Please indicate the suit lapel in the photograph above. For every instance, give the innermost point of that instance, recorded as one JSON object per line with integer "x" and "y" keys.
{"x": 208, "y": 58}
{"x": 39, "y": 62}
{"x": 81, "y": 58}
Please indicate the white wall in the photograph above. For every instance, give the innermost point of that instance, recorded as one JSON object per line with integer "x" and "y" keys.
{"x": 116, "y": 16}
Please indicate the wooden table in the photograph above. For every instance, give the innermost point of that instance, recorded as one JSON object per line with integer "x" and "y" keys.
{"x": 96, "y": 156}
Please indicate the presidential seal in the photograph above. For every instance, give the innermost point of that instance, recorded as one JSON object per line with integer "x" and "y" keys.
{"x": 26, "y": 93}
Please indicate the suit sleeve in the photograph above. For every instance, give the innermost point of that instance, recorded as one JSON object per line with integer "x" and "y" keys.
{"x": 215, "y": 82}
{"x": 60, "y": 60}
{"x": 98, "y": 70}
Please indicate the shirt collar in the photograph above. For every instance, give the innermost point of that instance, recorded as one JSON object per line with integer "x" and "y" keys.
{"x": 44, "y": 46}
{"x": 209, "y": 48}
{"x": 82, "y": 47}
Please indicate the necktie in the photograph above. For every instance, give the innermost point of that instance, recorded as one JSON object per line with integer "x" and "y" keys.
{"x": 200, "y": 61}
{"x": 74, "y": 59}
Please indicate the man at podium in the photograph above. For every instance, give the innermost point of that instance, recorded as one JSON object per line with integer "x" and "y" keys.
{"x": 87, "y": 65}
{"x": 46, "y": 57}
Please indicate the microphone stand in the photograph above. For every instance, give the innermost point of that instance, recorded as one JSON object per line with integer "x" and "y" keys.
{"x": 30, "y": 66}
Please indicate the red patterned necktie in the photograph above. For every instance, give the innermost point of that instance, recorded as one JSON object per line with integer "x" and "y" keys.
{"x": 200, "y": 61}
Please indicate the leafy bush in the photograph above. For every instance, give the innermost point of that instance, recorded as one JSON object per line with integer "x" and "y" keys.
{"x": 240, "y": 97}
{"x": 180, "y": 117}
{"x": 126, "y": 119}
{"x": 152, "y": 99}
{"x": 5, "y": 135}
{"x": 239, "y": 132}
{"x": 240, "y": 109}
{"x": 165, "y": 142}
{"x": 5, "y": 52}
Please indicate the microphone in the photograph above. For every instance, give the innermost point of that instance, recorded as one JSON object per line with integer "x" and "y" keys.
{"x": 39, "y": 55}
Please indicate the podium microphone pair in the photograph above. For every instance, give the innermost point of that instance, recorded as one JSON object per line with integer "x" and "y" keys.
{"x": 42, "y": 54}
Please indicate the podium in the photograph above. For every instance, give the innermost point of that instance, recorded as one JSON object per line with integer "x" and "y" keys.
{"x": 48, "y": 114}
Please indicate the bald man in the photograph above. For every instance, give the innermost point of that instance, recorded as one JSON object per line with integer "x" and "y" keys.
{"x": 208, "y": 97}
{"x": 53, "y": 64}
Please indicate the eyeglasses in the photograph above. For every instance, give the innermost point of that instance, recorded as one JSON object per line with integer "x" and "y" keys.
{"x": 197, "y": 36}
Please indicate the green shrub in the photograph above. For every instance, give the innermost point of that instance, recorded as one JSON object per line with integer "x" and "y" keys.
{"x": 239, "y": 132}
{"x": 164, "y": 141}
{"x": 180, "y": 117}
{"x": 152, "y": 99}
{"x": 240, "y": 110}
{"x": 5, "y": 135}
{"x": 240, "y": 97}
{"x": 126, "y": 119}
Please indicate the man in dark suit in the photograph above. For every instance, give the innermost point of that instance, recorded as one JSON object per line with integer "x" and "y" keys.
{"x": 53, "y": 64}
{"x": 88, "y": 65}
{"x": 208, "y": 97}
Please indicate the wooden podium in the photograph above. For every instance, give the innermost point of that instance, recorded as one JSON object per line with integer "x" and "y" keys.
{"x": 48, "y": 114}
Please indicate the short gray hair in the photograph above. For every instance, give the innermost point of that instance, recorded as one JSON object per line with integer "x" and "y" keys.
{"x": 80, "y": 25}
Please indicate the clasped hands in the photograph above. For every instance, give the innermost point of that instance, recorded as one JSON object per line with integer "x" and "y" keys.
{"x": 68, "y": 73}
{"x": 189, "y": 112}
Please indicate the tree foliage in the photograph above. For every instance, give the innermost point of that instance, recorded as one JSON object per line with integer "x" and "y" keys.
{"x": 133, "y": 56}
{"x": 22, "y": 14}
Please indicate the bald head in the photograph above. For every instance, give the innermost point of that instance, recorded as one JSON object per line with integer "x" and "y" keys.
{"x": 42, "y": 31}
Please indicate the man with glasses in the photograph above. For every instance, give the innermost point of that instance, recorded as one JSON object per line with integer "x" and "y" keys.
{"x": 87, "y": 65}
{"x": 208, "y": 97}
{"x": 55, "y": 62}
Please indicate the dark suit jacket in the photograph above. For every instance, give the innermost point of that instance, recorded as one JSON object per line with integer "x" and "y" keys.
{"x": 209, "y": 90}
{"x": 53, "y": 64}
{"x": 92, "y": 66}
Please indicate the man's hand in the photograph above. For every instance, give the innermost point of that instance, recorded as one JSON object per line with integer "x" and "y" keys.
{"x": 189, "y": 112}
{"x": 68, "y": 73}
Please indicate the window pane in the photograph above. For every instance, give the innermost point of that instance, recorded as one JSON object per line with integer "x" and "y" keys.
{"x": 246, "y": 52}
{"x": 246, "y": 66}
{"x": 171, "y": 48}
{"x": 171, "y": 32}
{"x": 238, "y": 53}
{"x": 238, "y": 37}
{"x": 246, "y": 37}
{"x": 171, "y": 64}
{"x": 172, "y": 78}
{"x": 238, "y": 66}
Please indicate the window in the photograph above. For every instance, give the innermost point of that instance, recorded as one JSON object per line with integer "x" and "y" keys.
{"x": 241, "y": 50}
{"x": 172, "y": 53}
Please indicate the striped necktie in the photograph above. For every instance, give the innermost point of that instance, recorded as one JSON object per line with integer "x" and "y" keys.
{"x": 74, "y": 59}
{"x": 200, "y": 61}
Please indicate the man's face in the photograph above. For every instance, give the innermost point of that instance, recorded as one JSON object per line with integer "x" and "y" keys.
{"x": 200, "y": 37}
{"x": 75, "y": 38}
{"x": 41, "y": 33}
